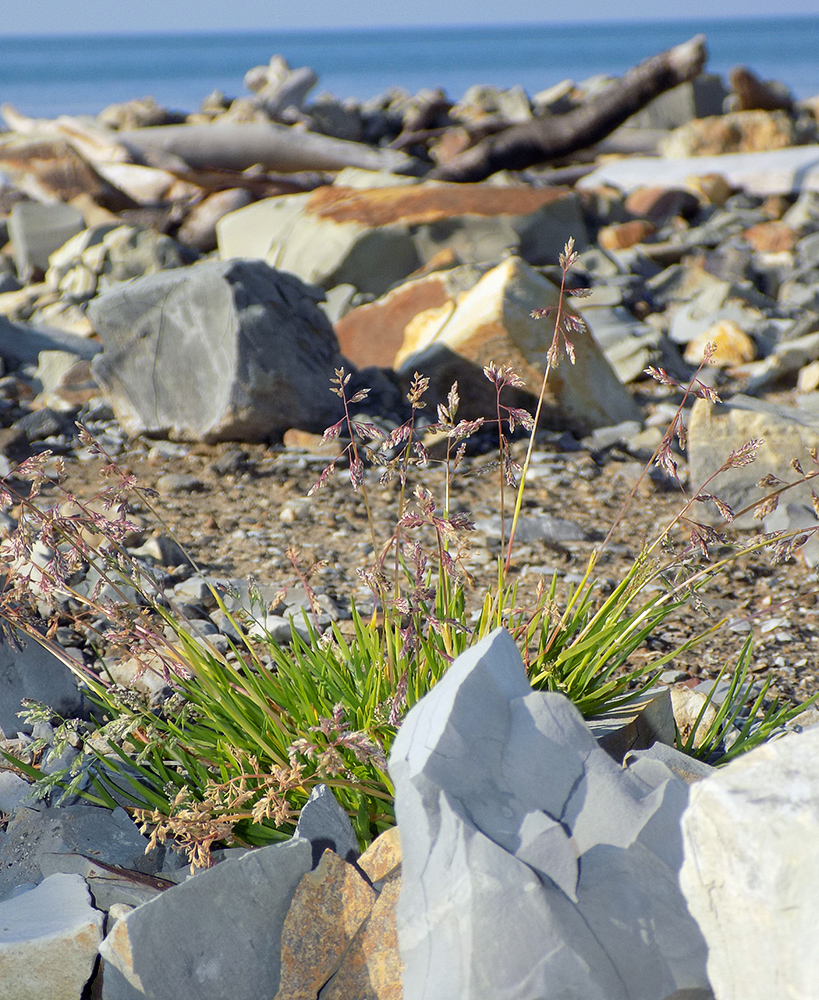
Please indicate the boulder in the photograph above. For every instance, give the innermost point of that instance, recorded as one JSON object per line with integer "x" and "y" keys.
{"x": 199, "y": 228}
{"x": 373, "y": 238}
{"x": 107, "y": 254}
{"x": 372, "y": 967}
{"x": 640, "y": 724}
{"x": 37, "y": 230}
{"x": 278, "y": 87}
{"x": 382, "y": 856}
{"x": 733, "y": 345}
{"x": 492, "y": 322}
{"x": 48, "y": 940}
{"x": 751, "y": 846}
{"x": 698, "y": 98}
{"x": 324, "y": 823}
{"x": 216, "y": 351}
{"x": 220, "y": 931}
{"x": 533, "y": 864}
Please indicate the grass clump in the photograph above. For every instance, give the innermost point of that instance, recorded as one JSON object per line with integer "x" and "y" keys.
{"x": 232, "y": 750}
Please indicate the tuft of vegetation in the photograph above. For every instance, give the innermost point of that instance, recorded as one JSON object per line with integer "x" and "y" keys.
{"x": 230, "y": 754}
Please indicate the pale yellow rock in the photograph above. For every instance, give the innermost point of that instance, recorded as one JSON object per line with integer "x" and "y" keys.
{"x": 328, "y": 908}
{"x": 492, "y": 323}
{"x": 808, "y": 378}
{"x": 687, "y": 705}
{"x": 734, "y": 346}
{"x": 713, "y": 189}
{"x": 372, "y": 968}
{"x": 425, "y": 326}
{"x": 382, "y": 856}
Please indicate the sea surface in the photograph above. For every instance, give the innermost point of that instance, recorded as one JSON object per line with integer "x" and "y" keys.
{"x": 81, "y": 74}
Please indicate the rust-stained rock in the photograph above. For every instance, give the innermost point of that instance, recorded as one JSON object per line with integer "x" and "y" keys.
{"x": 328, "y": 908}
{"x": 372, "y": 334}
{"x": 771, "y": 237}
{"x": 493, "y": 323}
{"x": 383, "y": 855}
{"x": 373, "y": 238}
{"x": 734, "y": 346}
{"x": 421, "y": 204}
{"x": 659, "y": 204}
{"x": 623, "y": 235}
{"x": 372, "y": 968}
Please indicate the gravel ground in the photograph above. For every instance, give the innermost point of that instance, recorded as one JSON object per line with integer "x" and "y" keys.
{"x": 236, "y": 510}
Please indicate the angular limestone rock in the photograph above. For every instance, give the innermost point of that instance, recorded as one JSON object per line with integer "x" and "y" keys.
{"x": 751, "y": 841}
{"x": 533, "y": 865}
{"x": 216, "y": 351}
{"x": 373, "y": 238}
{"x": 329, "y": 906}
{"x": 48, "y": 940}
{"x": 217, "y": 933}
{"x": 636, "y": 726}
{"x": 492, "y": 322}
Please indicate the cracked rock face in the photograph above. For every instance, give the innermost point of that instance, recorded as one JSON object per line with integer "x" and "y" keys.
{"x": 533, "y": 864}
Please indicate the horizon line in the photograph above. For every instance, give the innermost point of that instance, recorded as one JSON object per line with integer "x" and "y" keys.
{"x": 411, "y": 27}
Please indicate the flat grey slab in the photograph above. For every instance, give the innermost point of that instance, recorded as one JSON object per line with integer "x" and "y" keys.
{"x": 42, "y": 842}
{"x": 215, "y": 935}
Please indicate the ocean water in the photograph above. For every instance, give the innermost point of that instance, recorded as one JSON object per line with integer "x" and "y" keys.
{"x": 47, "y": 76}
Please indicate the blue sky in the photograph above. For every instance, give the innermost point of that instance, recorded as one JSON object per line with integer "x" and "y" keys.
{"x": 103, "y": 16}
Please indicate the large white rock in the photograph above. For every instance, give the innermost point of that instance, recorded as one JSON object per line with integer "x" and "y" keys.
{"x": 533, "y": 864}
{"x": 751, "y": 871}
{"x": 48, "y": 940}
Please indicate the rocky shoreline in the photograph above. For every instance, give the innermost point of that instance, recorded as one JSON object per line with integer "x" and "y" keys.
{"x": 186, "y": 286}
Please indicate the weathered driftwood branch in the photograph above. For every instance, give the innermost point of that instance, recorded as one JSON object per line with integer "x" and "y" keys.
{"x": 544, "y": 139}
{"x": 237, "y": 146}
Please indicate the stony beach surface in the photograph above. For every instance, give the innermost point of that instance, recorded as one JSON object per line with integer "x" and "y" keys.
{"x": 186, "y": 285}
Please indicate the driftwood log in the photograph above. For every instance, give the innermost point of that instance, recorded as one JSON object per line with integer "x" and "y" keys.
{"x": 239, "y": 145}
{"x": 543, "y": 139}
